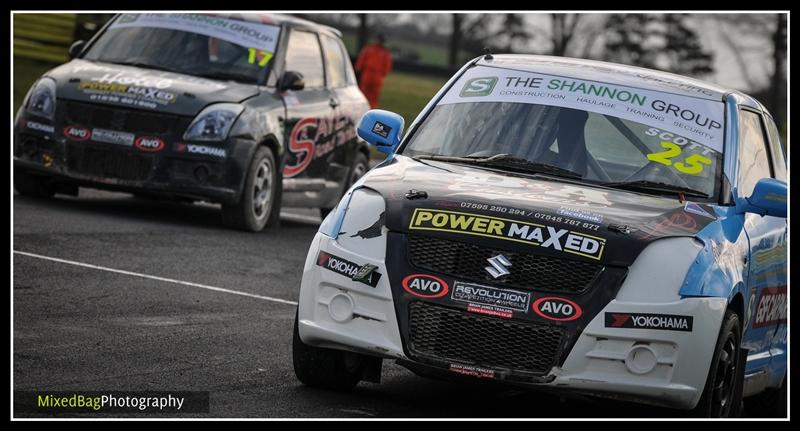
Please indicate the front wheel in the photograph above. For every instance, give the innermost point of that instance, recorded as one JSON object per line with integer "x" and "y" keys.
{"x": 770, "y": 404}
{"x": 719, "y": 399}
{"x": 35, "y": 186}
{"x": 325, "y": 368}
{"x": 258, "y": 206}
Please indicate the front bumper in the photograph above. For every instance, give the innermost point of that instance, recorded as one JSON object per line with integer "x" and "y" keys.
{"x": 215, "y": 175}
{"x": 653, "y": 366}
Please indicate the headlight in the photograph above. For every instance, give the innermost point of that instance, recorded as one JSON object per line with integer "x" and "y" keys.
{"x": 332, "y": 224}
{"x": 42, "y": 98}
{"x": 213, "y": 123}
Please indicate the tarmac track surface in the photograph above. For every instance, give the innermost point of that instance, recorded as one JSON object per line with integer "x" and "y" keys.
{"x": 133, "y": 302}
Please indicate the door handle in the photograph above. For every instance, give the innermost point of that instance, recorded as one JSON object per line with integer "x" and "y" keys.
{"x": 333, "y": 102}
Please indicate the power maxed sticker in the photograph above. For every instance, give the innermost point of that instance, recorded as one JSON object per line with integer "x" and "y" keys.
{"x": 539, "y": 235}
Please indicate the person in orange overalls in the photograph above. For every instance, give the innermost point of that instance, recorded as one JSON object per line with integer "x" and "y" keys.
{"x": 373, "y": 64}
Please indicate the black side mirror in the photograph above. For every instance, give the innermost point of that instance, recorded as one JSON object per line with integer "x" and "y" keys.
{"x": 292, "y": 80}
{"x": 76, "y": 48}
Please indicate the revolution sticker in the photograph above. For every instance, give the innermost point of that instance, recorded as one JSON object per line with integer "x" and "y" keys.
{"x": 113, "y": 137}
{"x": 349, "y": 269}
{"x": 699, "y": 119}
{"x": 668, "y": 322}
{"x": 538, "y": 235}
{"x": 502, "y": 301}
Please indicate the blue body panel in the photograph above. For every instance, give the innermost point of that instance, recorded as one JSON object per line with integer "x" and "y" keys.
{"x": 744, "y": 256}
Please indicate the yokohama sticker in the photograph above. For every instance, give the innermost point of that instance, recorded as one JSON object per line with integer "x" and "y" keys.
{"x": 668, "y": 322}
{"x": 348, "y": 269}
{"x": 558, "y": 309}
{"x": 771, "y": 307}
{"x": 425, "y": 286}
{"x": 39, "y": 127}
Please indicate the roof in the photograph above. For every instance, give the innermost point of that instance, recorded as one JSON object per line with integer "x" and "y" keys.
{"x": 614, "y": 73}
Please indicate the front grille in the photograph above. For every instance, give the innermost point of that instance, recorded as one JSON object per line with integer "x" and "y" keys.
{"x": 109, "y": 163}
{"x": 122, "y": 119}
{"x": 528, "y": 271}
{"x": 455, "y": 336}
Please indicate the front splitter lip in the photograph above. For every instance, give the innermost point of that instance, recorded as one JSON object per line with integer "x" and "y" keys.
{"x": 441, "y": 367}
{"x": 197, "y": 192}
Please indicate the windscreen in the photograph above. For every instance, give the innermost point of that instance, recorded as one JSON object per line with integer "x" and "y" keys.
{"x": 605, "y": 133}
{"x": 193, "y": 44}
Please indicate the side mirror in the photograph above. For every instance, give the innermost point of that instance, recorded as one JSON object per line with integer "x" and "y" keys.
{"x": 768, "y": 198}
{"x": 76, "y": 48}
{"x": 383, "y": 129}
{"x": 292, "y": 80}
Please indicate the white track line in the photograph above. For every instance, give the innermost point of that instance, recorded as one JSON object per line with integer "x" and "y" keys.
{"x": 153, "y": 277}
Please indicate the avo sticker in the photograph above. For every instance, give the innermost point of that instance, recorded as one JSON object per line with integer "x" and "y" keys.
{"x": 558, "y": 309}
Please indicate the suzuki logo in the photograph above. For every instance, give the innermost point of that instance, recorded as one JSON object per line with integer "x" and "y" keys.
{"x": 499, "y": 266}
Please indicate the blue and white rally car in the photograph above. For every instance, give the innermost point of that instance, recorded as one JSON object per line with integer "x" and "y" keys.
{"x": 567, "y": 225}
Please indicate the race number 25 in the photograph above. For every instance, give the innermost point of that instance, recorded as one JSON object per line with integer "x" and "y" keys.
{"x": 691, "y": 165}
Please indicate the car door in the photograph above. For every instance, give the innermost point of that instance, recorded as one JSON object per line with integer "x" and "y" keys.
{"x": 778, "y": 345}
{"x": 308, "y": 113}
{"x": 766, "y": 262}
{"x": 339, "y": 151}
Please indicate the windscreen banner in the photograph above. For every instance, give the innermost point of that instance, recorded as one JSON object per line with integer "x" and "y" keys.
{"x": 695, "y": 118}
{"x": 248, "y": 34}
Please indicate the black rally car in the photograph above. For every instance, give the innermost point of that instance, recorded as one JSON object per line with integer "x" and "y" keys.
{"x": 246, "y": 110}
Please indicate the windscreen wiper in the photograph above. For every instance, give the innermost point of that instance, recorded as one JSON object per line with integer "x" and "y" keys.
{"x": 227, "y": 76}
{"x": 145, "y": 65}
{"x": 655, "y": 186}
{"x": 507, "y": 161}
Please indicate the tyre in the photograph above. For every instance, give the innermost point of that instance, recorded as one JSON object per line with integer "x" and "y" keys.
{"x": 719, "y": 394}
{"x": 771, "y": 403}
{"x": 35, "y": 186}
{"x": 359, "y": 168}
{"x": 325, "y": 368}
{"x": 259, "y": 206}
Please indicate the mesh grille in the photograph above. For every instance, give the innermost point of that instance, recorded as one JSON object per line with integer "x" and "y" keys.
{"x": 528, "y": 271}
{"x": 453, "y": 335}
{"x": 109, "y": 163}
{"x": 125, "y": 120}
